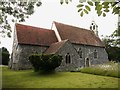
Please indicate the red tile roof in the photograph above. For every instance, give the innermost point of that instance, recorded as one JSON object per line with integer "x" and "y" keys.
{"x": 55, "y": 47}
{"x": 35, "y": 36}
{"x": 78, "y": 35}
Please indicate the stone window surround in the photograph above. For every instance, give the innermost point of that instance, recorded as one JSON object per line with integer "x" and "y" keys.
{"x": 68, "y": 58}
{"x": 80, "y": 52}
{"x": 95, "y": 54}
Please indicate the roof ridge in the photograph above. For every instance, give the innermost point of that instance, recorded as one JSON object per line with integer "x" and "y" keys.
{"x": 32, "y": 26}
{"x": 73, "y": 26}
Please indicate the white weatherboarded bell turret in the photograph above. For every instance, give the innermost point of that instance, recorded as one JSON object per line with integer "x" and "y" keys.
{"x": 94, "y": 28}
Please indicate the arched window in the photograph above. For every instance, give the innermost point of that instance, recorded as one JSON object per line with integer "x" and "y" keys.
{"x": 68, "y": 58}
{"x": 80, "y": 52}
{"x": 95, "y": 54}
{"x": 87, "y": 62}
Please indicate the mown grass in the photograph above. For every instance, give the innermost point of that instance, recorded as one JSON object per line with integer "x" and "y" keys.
{"x": 30, "y": 79}
{"x": 109, "y": 69}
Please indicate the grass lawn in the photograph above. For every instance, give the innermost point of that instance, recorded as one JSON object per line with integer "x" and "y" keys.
{"x": 29, "y": 79}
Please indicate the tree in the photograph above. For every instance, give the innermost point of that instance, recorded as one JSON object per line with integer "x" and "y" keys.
{"x": 112, "y": 44}
{"x": 15, "y": 11}
{"x": 116, "y": 36}
{"x": 5, "y": 56}
{"x": 19, "y": 10}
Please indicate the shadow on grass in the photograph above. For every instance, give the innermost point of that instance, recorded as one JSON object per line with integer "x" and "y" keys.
{"x": 45, "y": 74}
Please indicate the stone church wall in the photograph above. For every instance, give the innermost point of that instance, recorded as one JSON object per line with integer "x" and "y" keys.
{"x": 88, "y": 52}
{"x": 21, "y": 57}
{"x": 74, "y": 58}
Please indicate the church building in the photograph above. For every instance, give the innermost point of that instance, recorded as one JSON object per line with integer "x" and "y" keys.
{"x": 78, "y": 46}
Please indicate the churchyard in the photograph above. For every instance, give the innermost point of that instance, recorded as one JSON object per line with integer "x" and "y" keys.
{"x": 73, "y": 79}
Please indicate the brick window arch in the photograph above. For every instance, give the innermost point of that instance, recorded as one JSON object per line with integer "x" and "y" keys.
{"x": 68, "y": 58}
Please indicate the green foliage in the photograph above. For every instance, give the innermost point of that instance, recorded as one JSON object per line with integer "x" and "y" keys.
{"x": 113, "y": 53}
{"x": 101, "y": 7}
{"x": 17, "y": 11}
{"x": 112, "y": 44}
{"x": 5, "y": 56}
{"x": 45, "y": 62}
{"x": 104, "y": 70}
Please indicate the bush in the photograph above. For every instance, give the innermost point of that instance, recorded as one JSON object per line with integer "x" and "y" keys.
{"x": 5, "y": 58}
{"x": 104, "y": 71}
{"x": 45, "y": 62}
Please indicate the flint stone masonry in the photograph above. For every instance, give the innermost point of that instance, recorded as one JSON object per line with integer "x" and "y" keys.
{"x": 21, "y": 57}
{"x": 88, "y": 52}
{"x": 74, "y": 57}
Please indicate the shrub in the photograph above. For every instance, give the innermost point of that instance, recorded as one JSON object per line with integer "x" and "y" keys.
{"x": 103, "y": 70}
{"x": 5, "y": 58}
{"x": 45, "y": 62}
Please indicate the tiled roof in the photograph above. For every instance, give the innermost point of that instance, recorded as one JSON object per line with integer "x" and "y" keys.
{"x": 35, "y": 36}
{"x": 78, "y": 35}
{"x": 55, "y": 47}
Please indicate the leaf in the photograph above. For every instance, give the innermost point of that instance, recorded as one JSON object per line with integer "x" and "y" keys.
{"x": 39, "y": 4}
{"x": 85, "y": 11}
{"x": 116, "y": 10}
{"x": 104, "y": 14}
{"x": 13, "y": 20}
{"x": 9, "y": 34}
{"x": 81, "y": 14}
{"x": 80, "y": 5}
{"x": 105, "y": 3}
{"x": 114, "y": 3}
{"x": 97, "y": 3}
{"x": 106, "y": 10}
{"x": 81, "y": 1}
{"x": 66, "y": 1}
{"x": 1, "y": 20}
{"x": 99, "y": 13}
{"x": 87, "y": 7}
{"x": 90, "y": 3}
{"x": 79, "y": 9}
{"x": 105, "y": 6}
{"x": 61, "y": 2}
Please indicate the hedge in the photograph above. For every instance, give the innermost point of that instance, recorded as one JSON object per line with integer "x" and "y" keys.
{"x": 45, "y": 62}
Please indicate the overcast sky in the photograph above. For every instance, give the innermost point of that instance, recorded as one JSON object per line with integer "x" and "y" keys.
{"x": 52, "y": 10}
